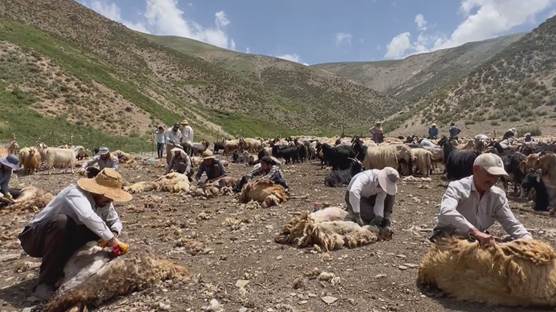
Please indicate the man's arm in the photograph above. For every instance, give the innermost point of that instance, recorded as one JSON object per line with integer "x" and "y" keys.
{"x": 90, "y": 162}
{"x": 202, "y": 168}
{"x": 85, "y": 214}
{"x": 505, "y": 216}
{"x": 113, "y": 220}
{"x": 221, "y": 168}
{"x": 378, "y": 208}
{"x": 449, "y": 215}
{"x": 4, "y": 185}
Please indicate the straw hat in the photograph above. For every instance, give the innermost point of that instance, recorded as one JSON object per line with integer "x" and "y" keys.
{"x": 207, "y": 155}
{"x": 184, "y": 122}
{"x": 109, "y": 183}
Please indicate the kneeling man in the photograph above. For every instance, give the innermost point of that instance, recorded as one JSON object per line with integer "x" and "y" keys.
{"x": 471, "y": 205}
{"x": 78, "y": 214}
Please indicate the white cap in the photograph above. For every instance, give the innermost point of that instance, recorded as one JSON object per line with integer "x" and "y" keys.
{"x": 492, "y": 163}
{"x": 103, "y": 150}
{"x": 387, "y": 178}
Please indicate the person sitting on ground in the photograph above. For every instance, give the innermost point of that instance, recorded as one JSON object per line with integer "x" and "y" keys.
{"x": 180, "y": 162}
{"x": 265, "y": 169}
{"x": 511, "y": 133}
{"x": 78, "y": 214}
{"x": 528, "y": 138}
{"x": 454, "y": 131}
{"x": 433, "y": 132}
{"x": 8, "y": 165}
{"x": 173, "y": 139}
{"x": 377, "y": 133}
{"x": 370, "y": 197}
{"x": 103, "y": 159}
{"x": 210, "y": 166}
{"x": 160, "y": 139}
{"x": 471, "y": 205}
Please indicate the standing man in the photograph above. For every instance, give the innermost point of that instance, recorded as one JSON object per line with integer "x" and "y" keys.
{"x": 187, "y": 137}
{"x": 7, "y": 166}
{"x": 78, "y": 214}
{"x": 433, "y": 132}
{"x": 370, "y": 198}
{"x": 454, "y": 131}
{"x": 160, "y": 139}
{"x": 471, "y": 205}
{"x": 173, "y": 139}
{"x": 377, "y": 133}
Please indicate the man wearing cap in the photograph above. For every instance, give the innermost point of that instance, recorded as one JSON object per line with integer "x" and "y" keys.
{"x": 370, "y": 197}
{"x": 187, "y": 136}
{"x": 471, "y": 205}
{"x": 173, "y": 138}
{"x": 78, "y": 214}
{"x": 7, "y": 166}
{"x": 211, "y": 167}
{"x": 433, "y": 132}
{"x": 265, "y": 169}
{"x": 103, "y": 159}
{"x": 180, "y": 162}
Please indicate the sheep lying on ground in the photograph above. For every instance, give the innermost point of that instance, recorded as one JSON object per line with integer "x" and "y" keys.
{"x": 265, "y": 192}
{"x": 172, "y": 182}
{"x": 222, "y": 186}
{"x": 521, "y": 272}
{"x": 30, "y": 199}
{"x": 124, "y": 158}
{"x": 327, "y": 229}
{"x": 93, "y": 276}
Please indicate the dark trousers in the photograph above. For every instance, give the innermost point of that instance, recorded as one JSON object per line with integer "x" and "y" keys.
{"x": 54, "y": 241}
{"x": 367, "y": 204}
{"x": 160, "y": 149}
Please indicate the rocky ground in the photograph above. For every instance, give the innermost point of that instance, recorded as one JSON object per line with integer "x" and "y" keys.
{"x": 235, "y": 263}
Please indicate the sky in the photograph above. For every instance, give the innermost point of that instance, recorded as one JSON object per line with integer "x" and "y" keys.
{"x": 324, "y": 31}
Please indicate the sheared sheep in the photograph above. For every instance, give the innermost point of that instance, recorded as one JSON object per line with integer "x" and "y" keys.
{"x": 265, "y": 192}
{"x": 423, "y": 161}
{"x": 327, "y": 229}
{"x": 172, "y": 182}
{"x": 30, "y": 199}
{"x": 93, "y": 276}
{"x": 517, "y": 273}
{"x": 30, "y": 158}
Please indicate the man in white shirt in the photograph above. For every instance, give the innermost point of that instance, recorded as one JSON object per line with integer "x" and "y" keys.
{"x": 187, "y": 136}
{"x": 103, "y": 159}
{"x": 173, "y": 139}
{"x": 78, "y": 214}
{"x": 370, "y": 197}
{"x": 471, "y": 205}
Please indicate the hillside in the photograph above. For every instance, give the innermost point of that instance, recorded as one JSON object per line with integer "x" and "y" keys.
{"x": 516, "y": 87}
{"x": 417, "y": 75}
{"x": 82, "y": 73}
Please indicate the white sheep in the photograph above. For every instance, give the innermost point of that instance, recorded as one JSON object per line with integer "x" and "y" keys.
{"x": 423, "y": 160}
{"x": 60, "y": 158}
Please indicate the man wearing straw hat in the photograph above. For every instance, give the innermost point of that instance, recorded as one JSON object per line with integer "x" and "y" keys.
{"x": 211, "y": 167}
{"x": 78, "y": 214}
{"x": 7, "y": 166}
{"x": 186, "y": 136}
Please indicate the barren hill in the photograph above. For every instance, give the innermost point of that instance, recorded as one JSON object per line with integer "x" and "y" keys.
{"x": 80, "y": 73}
{"x": 516, "y": 87}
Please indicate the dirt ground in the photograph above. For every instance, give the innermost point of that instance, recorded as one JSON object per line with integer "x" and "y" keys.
{"x": 377, "y": 277}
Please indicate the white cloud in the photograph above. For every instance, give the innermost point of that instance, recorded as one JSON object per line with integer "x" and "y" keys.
{"x": 486, "y": 19}
{"x": 292, "y": 58}
{"x": 164, "y": 17}
{"x": 113, "y": 12}
{"x": 343, "y": 39}
{"x": 398, "y": 46}
{"x": 421, "y": 22}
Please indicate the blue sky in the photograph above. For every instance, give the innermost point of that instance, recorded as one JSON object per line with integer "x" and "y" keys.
{"x": 319, "y": 31}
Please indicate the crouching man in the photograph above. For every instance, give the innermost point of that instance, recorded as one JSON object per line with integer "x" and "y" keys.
{"x": 471, "y": 205}
{"x": 78, "y": 214}
{"x": 267, "y": 169}
{"x": 370, "y": 198}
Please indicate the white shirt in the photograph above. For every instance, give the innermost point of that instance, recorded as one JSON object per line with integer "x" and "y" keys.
{"x": 160, "y": 137}
{"x": 80, "y": 206}
{"x": 187, "y": 134}
{"x": 173, "y": 137}
{"x": 462, "y": 209}
{"x": 365, "y": 184}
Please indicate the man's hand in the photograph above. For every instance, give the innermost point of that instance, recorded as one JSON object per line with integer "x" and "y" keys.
{"x": 357, "y": 219}
{"x": 483, "y": 238}
{"x": 385, "y": 233}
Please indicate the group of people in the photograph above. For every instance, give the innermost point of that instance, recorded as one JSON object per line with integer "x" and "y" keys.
{"x": 84, "y": 211}
{"x": 179, "y": 135}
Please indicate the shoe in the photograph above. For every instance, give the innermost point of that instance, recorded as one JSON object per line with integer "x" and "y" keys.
{"x": 43, "y": 291}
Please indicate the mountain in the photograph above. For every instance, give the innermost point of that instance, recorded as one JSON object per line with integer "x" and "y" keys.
{"x": 514, "y": 88}
{"x": 68, "y": 75}
{"x": 417, "y": 75}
